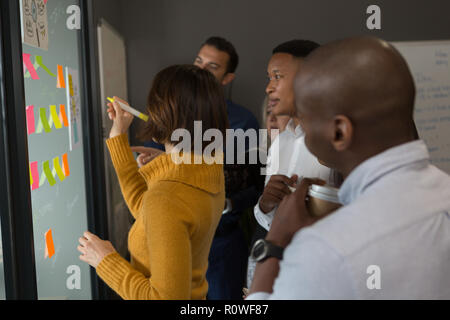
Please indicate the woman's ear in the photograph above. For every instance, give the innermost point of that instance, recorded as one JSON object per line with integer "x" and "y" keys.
{"x": 343, "y": 133}
{"x": 228, "y": 78}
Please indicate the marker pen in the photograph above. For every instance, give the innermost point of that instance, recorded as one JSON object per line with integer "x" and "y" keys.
{"x": 131, "y": 110}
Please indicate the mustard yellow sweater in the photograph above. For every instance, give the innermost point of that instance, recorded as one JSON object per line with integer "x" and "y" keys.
{"x": 177, "y": 209}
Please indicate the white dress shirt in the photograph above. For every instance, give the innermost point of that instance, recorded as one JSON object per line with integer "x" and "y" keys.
{"x": 288, "y": 155}
{"x": 390, "y": 240}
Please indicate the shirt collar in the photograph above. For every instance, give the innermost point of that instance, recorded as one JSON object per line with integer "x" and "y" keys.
{"x": 374, "y": 168}
{"x": 292, "y": 128}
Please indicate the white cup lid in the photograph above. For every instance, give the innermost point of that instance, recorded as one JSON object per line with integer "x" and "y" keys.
{"x": 326, "y": 193}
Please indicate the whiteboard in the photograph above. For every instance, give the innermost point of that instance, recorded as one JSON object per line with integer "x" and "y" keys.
{"x": 113, "y": 82}
{"x": 429, "y": 62}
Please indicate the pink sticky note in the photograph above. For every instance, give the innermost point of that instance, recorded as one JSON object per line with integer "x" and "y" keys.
{"x": 29, "y": 66}
{"x": 30, "y": 119}
{"x": 45, "y": 1}
{"x": 34, "y": 175}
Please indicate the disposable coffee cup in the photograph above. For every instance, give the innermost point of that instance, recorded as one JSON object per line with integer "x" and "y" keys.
{"x": 322, "y": 200}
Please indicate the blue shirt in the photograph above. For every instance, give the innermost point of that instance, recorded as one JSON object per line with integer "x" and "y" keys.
{"x": 243, "y": 182}
{"x": 238, "y": 118}
{"x": 390, "y": 240}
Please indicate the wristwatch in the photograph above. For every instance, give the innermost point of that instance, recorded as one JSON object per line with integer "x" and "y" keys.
{"x": 263, "y": 249}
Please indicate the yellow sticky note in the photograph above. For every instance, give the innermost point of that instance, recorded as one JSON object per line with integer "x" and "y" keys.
{"x": 71, "y": 85}
{"x": 55, "y": 117}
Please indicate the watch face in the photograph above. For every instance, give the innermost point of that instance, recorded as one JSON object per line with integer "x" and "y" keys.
{"x": 259, "y": 250}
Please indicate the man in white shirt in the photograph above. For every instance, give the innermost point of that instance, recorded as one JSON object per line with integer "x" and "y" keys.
{"x": 391, "y": 239}
{"x": 288, "y": 157}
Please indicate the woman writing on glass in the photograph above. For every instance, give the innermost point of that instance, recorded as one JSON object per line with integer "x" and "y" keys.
{"x": 176, "y": 206}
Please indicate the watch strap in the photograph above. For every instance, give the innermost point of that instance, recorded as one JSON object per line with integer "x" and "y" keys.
{"x": 274, "y": 251}
{"x": 270, "y": 250}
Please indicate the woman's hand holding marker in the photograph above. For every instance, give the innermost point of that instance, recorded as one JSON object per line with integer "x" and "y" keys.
{"x": 121, "y": 119}
{"x": 129, "y": 109}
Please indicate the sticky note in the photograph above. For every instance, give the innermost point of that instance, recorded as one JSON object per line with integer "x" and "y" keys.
{"x": 29, "y": 66}
{"x": 71, "y": 85}
{"x": 60, "y": 82}
{"x": 30, "y": 119}
{"x": 58, "y": 169}
{"x": 42, "y": 179}
{"x": 25, "y": 70}
{"x": 44, "y": 120}
{"x": 48, "y": 173}
{"x": 31, "y": 178}
{"x": 49, "y": 245}
{"x": 63, "y": 115}
{"x": 66, "y": 165}
{"x": 34, "y": 173}
{"x": 43, "y": 66}
{"x": 55, "y": 117}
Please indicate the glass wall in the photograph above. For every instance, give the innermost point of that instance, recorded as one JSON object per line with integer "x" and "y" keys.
{"x": 54, "y": 103}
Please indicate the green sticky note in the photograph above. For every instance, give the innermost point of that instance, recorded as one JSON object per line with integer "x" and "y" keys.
{"x": 44, "y": 120}
{"x": 48, "y": 174}
{"x": 40, "y": 63}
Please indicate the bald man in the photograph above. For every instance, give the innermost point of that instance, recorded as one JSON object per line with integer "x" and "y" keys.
{"x": 391, "y": 238}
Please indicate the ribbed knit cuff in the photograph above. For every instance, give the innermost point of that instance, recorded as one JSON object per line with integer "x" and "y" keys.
{"x": 120, "y": 151}
{"x": 113, "y": 269}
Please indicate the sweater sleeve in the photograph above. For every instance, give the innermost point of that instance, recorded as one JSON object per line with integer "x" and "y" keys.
{"x": 169, "y": 247}
{"x": 131, "y": 182}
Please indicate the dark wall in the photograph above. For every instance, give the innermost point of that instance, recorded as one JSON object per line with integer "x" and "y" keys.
{"x": 110, "y": 10}
{"x": 163, "y": 32}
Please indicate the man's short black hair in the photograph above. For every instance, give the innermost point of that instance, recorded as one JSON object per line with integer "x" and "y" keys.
{"x": 224, "y": 45}
{"x": 297, "y": 48}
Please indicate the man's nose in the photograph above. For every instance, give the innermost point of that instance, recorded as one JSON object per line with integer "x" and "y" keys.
{"x": 270, "y": 87}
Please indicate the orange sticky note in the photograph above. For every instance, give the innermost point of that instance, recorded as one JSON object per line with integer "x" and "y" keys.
{"x": 49, "y": 246}
{"x": 60, "y": 82}
{"x": 65, "y": 165}
{"x": 63, "y": 115}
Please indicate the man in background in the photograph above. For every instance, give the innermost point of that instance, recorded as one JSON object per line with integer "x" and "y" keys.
{"x": 229, "y": 251}
{"x": 288, "y": 158}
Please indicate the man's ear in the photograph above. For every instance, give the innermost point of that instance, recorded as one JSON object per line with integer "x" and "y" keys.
{"x": 228, "y": 78}
{"x": 343, "y": 133}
